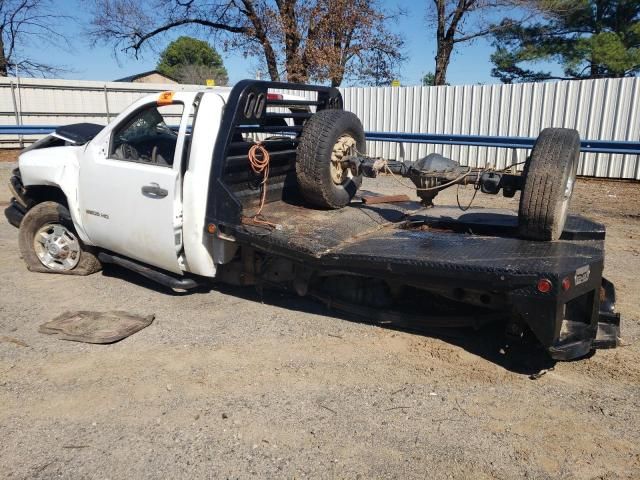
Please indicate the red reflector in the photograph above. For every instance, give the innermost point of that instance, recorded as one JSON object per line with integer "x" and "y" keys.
{"x": 211, "y": 228}
{"x": 274, "y": 96}
{"x": 544, "y": 285}
{"x": 566, "y": 283}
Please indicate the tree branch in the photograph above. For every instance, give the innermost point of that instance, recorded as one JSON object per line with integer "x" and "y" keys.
{"x": 185, "y": 21}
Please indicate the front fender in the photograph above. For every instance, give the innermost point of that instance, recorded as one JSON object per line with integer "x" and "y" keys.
{"x": 55, "y": 167}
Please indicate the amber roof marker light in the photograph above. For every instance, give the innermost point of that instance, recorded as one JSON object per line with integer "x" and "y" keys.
{"x": 165, "y": 98}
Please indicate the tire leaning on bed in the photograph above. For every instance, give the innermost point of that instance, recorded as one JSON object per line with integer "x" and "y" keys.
{"x": 328, "y": 137}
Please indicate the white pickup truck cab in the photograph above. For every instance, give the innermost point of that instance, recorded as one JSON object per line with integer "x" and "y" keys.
{"x": 138, "y": 187}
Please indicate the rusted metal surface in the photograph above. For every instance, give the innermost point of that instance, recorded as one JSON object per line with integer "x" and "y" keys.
{"x": 315, "y": 232}
{"x": 345, "y": 146}
{"x": 385, "y": 199}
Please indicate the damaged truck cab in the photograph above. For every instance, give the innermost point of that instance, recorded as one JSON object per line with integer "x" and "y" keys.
{"x": 252, "y": 186}
{"x": 129, "y": 187}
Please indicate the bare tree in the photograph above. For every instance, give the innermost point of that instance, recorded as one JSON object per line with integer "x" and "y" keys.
{"x": 460, "y": 21}
{"x": 296, "y": 40}
{"x": 23, "y": 22}
{"x": 351, "y": 39}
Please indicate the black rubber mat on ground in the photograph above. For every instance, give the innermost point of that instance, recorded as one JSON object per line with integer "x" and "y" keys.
{"x": 95, "y": 327}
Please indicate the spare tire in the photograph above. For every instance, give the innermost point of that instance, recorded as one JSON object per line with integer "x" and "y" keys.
{"x": 328, "y": 137}
{"x": 549, "y": 177}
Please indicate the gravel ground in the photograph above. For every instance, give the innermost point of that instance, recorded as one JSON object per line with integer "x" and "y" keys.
{"x": 222, "y": 385}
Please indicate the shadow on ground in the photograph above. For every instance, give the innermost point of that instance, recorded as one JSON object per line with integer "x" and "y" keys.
{"x": 488, "y": 342}
{"x": 115, "y": 271}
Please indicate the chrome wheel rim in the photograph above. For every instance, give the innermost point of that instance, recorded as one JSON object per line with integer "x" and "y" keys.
{"x": 344, "y": 147}
{"x": 566, "y": 198}
{"x": 57, "y": 247}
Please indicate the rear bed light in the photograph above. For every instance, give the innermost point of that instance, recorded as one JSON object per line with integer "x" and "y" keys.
{"x": 544, "y": 285}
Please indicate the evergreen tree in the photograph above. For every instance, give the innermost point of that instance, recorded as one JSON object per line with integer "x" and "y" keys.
{"x": 587, "y": 38}
{"x": 190, "y": 60}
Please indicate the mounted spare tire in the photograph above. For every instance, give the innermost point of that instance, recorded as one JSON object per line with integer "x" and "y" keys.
{"x": 328, "y": 137}
{"x": 549, "y": 177}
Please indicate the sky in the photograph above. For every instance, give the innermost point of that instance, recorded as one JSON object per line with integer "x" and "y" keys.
{"x": 470, "y": 62}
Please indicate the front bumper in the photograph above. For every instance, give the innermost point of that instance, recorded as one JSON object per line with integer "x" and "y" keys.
{"x": 19, "y": 203}
{"x": 15, "y": 213}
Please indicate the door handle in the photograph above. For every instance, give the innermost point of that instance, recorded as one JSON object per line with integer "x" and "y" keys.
{"x": 154, "y": 191}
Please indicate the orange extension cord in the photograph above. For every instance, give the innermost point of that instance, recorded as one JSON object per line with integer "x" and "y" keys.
{"x": 259, "y": 161}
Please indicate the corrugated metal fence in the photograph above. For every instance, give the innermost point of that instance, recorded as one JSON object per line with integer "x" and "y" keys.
{"x": 607, "y": 109}
{"x": 32, "y": 101}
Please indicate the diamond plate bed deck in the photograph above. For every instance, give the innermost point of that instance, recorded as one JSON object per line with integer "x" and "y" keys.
{"x": 406, "y": 239}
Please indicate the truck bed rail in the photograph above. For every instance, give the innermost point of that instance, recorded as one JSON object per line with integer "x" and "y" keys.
{"x": 246, "y": 112}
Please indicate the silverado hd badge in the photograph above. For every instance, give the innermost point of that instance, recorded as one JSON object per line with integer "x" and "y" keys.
{"x": 97, "y": 214}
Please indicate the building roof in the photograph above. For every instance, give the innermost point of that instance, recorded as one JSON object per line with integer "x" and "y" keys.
{"x": 133, "y": 78}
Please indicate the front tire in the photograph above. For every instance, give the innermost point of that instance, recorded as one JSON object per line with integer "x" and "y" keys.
{"x": 49, "y": 242}
{"x": 549, "y": 177}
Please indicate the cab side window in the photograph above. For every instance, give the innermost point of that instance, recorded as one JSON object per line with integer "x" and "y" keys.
{"x": 148, "y": 136}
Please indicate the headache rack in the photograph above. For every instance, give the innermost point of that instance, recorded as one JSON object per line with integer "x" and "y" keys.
{"x": 233, "y": 186}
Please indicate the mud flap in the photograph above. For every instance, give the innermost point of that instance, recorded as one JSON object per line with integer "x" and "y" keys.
{"x": 608, "y": 335}
{"x": 577, "y": 344}
{"x": 578, "y": 338}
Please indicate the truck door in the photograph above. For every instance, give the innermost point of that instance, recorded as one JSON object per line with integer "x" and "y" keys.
{"x": 130, "y": 185}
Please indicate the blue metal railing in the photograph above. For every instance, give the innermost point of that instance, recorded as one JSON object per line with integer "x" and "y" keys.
{"x": 26, "y": 129}
{"x": 591, "y": 146}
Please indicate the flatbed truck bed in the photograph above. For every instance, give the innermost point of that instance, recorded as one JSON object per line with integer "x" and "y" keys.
{"x": 463, "y": 255}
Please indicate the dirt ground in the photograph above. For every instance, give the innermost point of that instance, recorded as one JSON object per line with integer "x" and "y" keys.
{"x": 225, "y": 384}
{"x": 8, "y": 154}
